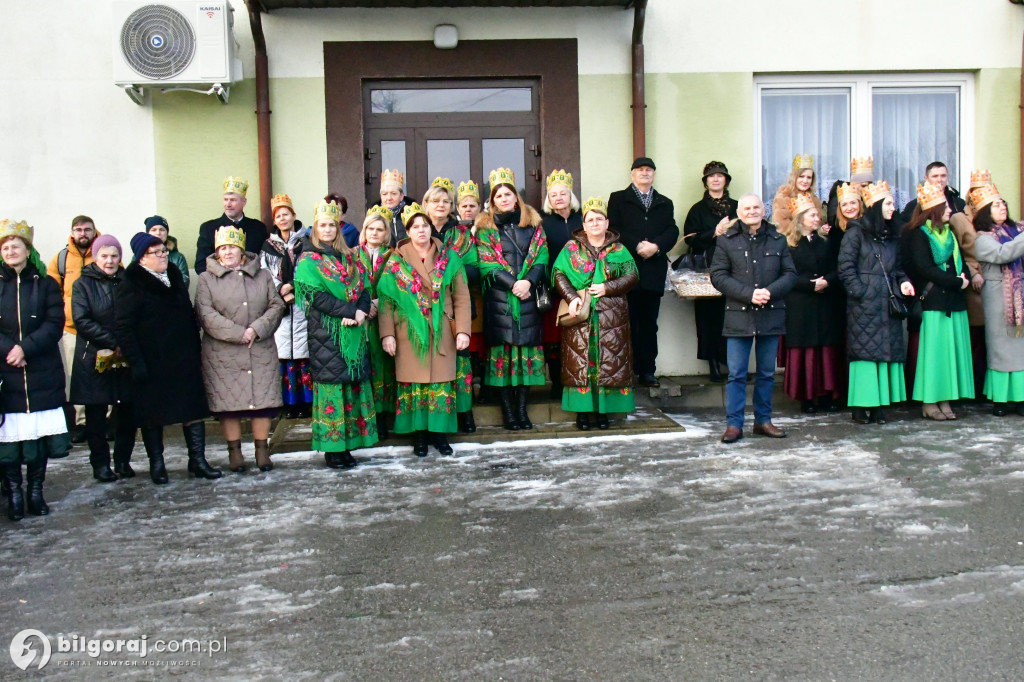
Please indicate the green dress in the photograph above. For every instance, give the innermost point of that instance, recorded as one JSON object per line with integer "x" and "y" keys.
{"x": 382, "y": 365}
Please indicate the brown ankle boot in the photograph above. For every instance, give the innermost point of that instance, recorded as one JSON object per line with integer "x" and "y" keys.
{"x": 236, "y": 462}
{"x": 263, "y": 455}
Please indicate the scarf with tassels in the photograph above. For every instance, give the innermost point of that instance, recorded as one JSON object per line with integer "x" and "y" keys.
{"x": 418, "y": 303}
{"x": 491, "y": 259}
{"x": 344, "y": 277}
{"x": 1013, "y": 282}
{"x": 582, "y": 269}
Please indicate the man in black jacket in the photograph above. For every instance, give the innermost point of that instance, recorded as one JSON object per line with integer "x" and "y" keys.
{"x": 234, "y": 205}
{"x": 937, "y": 174}
{"x": 645, "y": 221}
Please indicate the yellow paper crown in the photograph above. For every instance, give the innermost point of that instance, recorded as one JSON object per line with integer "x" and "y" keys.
{"x": 560, "y": 177}
{"x": 980, "y": 178}
{"x": 800, "y": 203}
{"x": 394, "y": 176}
{"x": 280, "y": 200}
{"x": 863, "y": 165}
{"x": 930, "y": 195}
{"x": 411, "y": 210}
{"x": 383, "y": 211}
{"x": 983, "y": 196}
{"x": 233, "y": 185}
{"x": 874, "y": 192}
{"x": 229, "y": 235}
{"x": 803, "y": 161}
{"x": 329, "y": 210}
{"x": 501, "y": 176}
{"x": 16, "y": 228}
{"x": 594, "y": 204}
{"x": 468, "y": 189}
{"x": 444, "y": 182}
{"x": 848, "y": 191}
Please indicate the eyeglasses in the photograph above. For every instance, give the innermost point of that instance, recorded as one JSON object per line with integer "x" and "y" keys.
{"x": 158, "y": 252}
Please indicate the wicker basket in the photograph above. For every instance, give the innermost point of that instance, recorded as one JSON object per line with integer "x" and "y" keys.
{"x": 692, "y": 284}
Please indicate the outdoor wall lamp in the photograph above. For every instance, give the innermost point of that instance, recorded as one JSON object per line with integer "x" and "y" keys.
{"x": 446, "y": 36}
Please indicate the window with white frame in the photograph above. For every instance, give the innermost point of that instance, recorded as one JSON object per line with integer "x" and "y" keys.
{"x": 905, "y": 121}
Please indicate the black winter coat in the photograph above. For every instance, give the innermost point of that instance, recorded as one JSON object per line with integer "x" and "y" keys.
{"x": 956, "y": 204}
{"x": 627, "y": 216}
{"x": 93, "y": 308}
{"x": 499, "y": 327}
{"x": 941, "y": 290}
{"x": 326, "y": 364}
{"x": 871, "y": 334}
{"x": 558, "y": 231}
{"x": 396, "y": 230}
{"x": 700, "y": 226}
{"x": 743, "y": 263}
{"x": 158, "y": 333}
{"x": 39, "y": 385}
{"x": 811, "y": 316}
{"x": 255, "y": 234}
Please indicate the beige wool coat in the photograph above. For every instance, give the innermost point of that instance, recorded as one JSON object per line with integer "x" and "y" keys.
{"x": 238, "y": 377}
{"x": 409, "y": 368}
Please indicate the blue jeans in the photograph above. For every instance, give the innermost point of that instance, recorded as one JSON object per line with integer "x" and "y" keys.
{"x": 738, "y": 351}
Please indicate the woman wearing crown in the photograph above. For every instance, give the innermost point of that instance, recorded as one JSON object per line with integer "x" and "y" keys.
{"x": 513, "y": 257}
{"x": 870, "y": 270}
{"x": 455, "y": 234}
{"x": 597, "y": 358}
{"x": 333, "y": 288}
{"x": 944, "y": 366}
{"x": 424, "y": 321}
{"x": 813, "y": 336}
{"x": 802, "y": 180}
{"x": 374, "y": 253}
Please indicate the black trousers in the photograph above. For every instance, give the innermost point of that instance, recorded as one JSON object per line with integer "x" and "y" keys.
{"x": 643, "y": 326}
{"x": 709, "y": 315}
{"x": 96, "y": 433}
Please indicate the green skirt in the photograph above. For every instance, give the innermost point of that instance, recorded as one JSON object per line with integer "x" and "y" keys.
{"x": 1004, "y": 387}
{"x": 463, "y": 384}
{"x": 944, "y": 370}
{"x": 875, "y": 384}
{"x": 34, "y": 451}
{"x": 382, "y": 372}
{"x": 343, "y": 416}
{"x": 426, "y": 407}
{"x": 515, "y": 366}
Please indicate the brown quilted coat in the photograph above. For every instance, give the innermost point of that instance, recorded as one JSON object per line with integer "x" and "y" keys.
{"x": 237, "y": 377}
{"x": 615, "y": 354}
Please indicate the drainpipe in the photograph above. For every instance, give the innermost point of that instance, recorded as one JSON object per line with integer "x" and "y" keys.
{"x": 639, "y": 105}
{"x": 262, "y": 109}
{"x": 1021, "y": 107}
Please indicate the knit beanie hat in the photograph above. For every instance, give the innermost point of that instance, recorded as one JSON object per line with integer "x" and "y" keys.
{"x": 106, "y": 240}
{"x": 141, "y": 243}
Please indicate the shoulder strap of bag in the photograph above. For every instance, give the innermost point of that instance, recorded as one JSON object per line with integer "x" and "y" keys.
{"x": 62, "y": 265}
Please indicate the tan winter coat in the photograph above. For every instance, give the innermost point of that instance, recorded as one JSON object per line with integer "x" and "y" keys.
{"x": 440, "y": 366}
{"x": 963, "y": 228}
{"x": 227, "y": 302}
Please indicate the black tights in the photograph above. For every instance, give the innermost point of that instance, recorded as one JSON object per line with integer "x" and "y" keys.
{"x": 96, "y": 434}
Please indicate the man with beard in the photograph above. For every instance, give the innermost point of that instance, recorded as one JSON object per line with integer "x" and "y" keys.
{"x": 66, "y": 267}
{"x": 234, "y": 205}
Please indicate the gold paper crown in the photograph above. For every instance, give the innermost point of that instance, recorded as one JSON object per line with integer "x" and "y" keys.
{"x": 800, "y": 203}
{"x": 233, "y": 185}
{"x": 980, "y": 178}
{"x": 864, "y": 165}
{"x": 383, "y": 211}
{"x": 848, "y": 191}
{"x": 394, "y": 176}
{"x": 983, "y": 196}
{"x": 16, "y": 228}
{"x": 280, "y": 200}
{"x": 803, "y": 161}
{"x": 594, "y": 204}
{"x": 329, "y": 210}
{"x": 875, "y": 192}
{"x": 444, "y": 182}
{"x": 501, "y": 176}
{"x": 468, "y": 189}
{"x": 560, "y": 177}
{"x": 229, "y": 235}
{"x": 411, "y": 210}
{"x": 930, "y": 195}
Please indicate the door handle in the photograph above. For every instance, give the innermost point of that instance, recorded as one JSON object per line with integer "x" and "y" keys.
{"x": 368, "y": 153}
{"x": 370, "y": 177}
{"x": 536, "y": 173}
{"x": 535, "y": 148}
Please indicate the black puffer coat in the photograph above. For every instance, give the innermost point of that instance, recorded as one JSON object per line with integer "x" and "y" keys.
{"x": 37, "y": 297}
{"x": 499, "y": 327}
{"x": 159, "y": 336}
{"x": 743, "y": 263}
{"x": 810, "y": 315}
{"x": 92, "y": 306}
{"x": 871, "y": 334}
{"x": 326, "y": 365}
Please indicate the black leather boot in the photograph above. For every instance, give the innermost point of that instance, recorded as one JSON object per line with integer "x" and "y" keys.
{"x": 10, "y": 484}
{"x": 382, "y": 426}
{"x": 509, "y": 417}
{"x": 419, "y": 444}
{"x": 602, "y": 421}
{"x": 583, "y": 421}
{"x": 467, "y": 424}
{"x": 35, "y": 473}
{"x": 153, "y": 439}
{"x": 554, "y": 359}
{"x": 195, "y": 443}
{"x": 442, "y": 445}
{"x": 522, "y": 394}
{"x": 860, "y": 415}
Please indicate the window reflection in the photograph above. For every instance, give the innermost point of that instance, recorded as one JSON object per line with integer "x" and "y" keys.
{"x": 450, "y": 100}
{"x": 505, "y": 153}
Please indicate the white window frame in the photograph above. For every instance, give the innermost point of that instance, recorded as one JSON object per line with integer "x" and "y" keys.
{"x": 861, "y": 87}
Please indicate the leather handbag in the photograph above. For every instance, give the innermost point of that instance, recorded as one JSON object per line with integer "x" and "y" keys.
{"x": 566, "y": 319}
{"x": 545, "y": 301}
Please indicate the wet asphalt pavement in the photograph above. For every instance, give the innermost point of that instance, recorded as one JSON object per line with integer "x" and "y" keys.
{"x": 840, "y": 553}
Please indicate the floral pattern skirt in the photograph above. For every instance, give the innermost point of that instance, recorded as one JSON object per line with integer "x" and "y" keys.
{"x": 463, "y": 382}
{"x": 296, "y": 382}
{"x": 426, "y": 407}
{"x": 382, "y": 372}
{"x": 343, "y": 416}
{"x": 509, "y": 365}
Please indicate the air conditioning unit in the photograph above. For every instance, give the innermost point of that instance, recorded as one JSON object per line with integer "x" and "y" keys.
{"x": 174, "y": 45}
